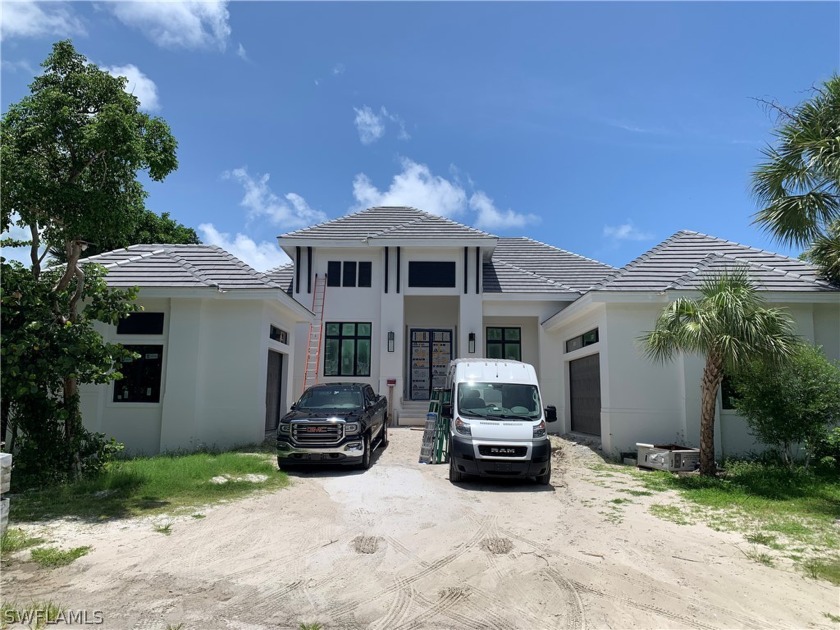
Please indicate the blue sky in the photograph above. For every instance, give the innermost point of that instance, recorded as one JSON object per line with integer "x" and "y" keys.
{"x": 600, "y": 128}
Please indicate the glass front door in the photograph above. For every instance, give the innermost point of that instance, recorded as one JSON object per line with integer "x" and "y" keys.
{"x": 431, "y": 351}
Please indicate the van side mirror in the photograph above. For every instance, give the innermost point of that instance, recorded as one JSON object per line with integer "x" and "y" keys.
{"x": 446, "y": 410}
{"x": 551, "y": 413}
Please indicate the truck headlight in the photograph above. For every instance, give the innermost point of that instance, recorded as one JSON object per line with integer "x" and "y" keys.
{"x": 351, "y": 428}
{"x": 539, "y": 429}
{"x": 284, "y": 428}
{"x": 462, "y": 427}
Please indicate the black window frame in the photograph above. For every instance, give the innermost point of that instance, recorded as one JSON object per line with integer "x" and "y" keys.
{"x": 342, "y": 337}
{"x": 334, "y": 273}
{"x": 348, "y": 273}
{"x": 278, "y": 334}
{"x": 365, "y": 274}
{"x": 504, "y": 341}
{"x": 140, "y": 375}
{"x": 141, "y": 323}
{"x": 432, "y": 274}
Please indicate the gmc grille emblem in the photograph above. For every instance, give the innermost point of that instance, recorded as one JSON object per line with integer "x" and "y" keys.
{"x": 316, "y": 429}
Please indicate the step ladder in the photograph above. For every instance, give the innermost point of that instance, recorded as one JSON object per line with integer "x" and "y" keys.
{"x": 316, "y": 328}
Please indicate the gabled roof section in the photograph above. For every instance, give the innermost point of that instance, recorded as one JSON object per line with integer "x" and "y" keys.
{"x": 387, "y": 222}
{"x": 563, "y": 270}
{"x": 686, "y": 258}
{"x": 179, "y": 266}
{"x": 283, "y": 275}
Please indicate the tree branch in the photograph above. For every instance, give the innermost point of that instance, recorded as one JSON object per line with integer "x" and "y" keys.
{"x": 93, "y": 159}
{"x": 33, "y": 250}
{"x": 77, "y": 294}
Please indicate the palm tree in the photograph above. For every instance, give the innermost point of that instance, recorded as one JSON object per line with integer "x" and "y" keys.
{"x": 729, "y": 325}
{"x": 798, "y": 186}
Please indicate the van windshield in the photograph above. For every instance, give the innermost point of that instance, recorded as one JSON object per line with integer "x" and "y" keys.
{"x": 502, "y": 401}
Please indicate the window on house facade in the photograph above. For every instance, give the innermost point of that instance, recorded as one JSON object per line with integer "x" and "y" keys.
{"x": 728, "y": 395}
{"x": 347, "y": 349}
{"x": 430, "y": 274}
{"x": 581, "y": 341}
{"x": 349, "y": 273}
{"x": 504, "y": 343}
{"x": 141, "y": 324}
{"x": 278, "y": 334}
{"x": 141, "y": 377}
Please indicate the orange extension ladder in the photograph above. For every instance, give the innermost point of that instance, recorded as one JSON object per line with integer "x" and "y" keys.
{"x": 316, "y": 329}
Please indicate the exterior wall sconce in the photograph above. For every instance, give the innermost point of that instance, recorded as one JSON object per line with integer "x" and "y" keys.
{"x": 390, "y": 342}
{"x": 471, "y": 344}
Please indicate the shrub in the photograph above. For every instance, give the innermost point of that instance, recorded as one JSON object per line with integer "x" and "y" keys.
{"x": 790, "y": 404}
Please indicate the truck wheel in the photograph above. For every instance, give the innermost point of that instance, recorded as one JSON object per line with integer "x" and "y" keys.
{"x": 385, "y": 433}
{"x": 366, "y": 456}
{"x": 545, "y": 479}
{"x": 455, "y": 475}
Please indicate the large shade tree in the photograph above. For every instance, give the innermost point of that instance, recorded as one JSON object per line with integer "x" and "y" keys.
{"x": 70, "y": 156}
{"x": 729, "y": 326}
{"x": 798, "y": 184}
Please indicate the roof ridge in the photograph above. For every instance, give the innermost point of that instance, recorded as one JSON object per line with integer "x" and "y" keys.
{"x": 755, "y": 249}
{"x": 703, "y": 263}
{"x": 140, "y": 256}
{"x": 426, "y": 216}
{"x": 398, "y": 226}
{"x": 566, "y": 287}
{"x": 191, "y": 268}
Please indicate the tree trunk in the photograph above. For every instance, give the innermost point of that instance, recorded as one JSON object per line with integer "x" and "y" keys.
{"x": 712, "y": 377}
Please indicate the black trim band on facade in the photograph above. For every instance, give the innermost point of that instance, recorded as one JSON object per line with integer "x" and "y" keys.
{"x": 398, "y": 269}
{"x": 466, "y": 269}
{"x": 297, "y": 269}
{"x": 386, "y": 270}
{"x": 478, "y": 270}
{"x": 309, "y": 270}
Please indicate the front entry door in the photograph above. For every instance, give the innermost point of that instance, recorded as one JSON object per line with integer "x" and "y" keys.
{"x": 431, "y": 351}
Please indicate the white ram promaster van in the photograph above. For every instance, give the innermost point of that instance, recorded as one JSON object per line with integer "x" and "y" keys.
{"x": 497, "y": 421}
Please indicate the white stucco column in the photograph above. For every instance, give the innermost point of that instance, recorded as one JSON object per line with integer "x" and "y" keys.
{"x": 470, "y": 320}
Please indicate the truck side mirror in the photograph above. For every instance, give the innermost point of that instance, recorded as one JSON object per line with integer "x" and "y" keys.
{"x": 446, "y": 410}
{"x": 551, "y": 413}
{"x": 293, "y": 407}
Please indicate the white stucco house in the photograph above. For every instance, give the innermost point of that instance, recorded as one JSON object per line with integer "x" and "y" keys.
{"x": 389, "y": 295}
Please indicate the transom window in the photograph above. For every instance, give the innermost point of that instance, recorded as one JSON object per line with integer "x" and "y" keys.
{"x": 581, "y": 341}
{"x": 504, "y": 343}
{"x": 347, "y": 349}
{"x": 427, "y": 274}
{"x": 141, "y": 324}
{"x": 349, "y": 273}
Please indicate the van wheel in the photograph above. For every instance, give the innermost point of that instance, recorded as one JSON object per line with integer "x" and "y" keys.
{"x": 545, "y": 479}
{"x": 455, "y": 475}
{"x": 365, "y": 464}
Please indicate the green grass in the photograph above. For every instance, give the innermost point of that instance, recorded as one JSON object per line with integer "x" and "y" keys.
{"x": 823, "y": 569}
{"x": 672, "y": 513}
{"x": 16, "y": 539}
{"x": 164, "y": 528}
{"x": 832, "y": 617}
{"x": 149, "y": 485}
{"x": 310, "y": 626}
{"x": 52, "y": 557}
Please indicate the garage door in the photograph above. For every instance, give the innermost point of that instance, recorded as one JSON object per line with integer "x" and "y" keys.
{"x": 585, "y": 394}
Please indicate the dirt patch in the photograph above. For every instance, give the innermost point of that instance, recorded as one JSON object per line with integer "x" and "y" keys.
{"x": 498, "y": 546}
{"x": 366, "y": 544}
{"x": 399, "y": 546}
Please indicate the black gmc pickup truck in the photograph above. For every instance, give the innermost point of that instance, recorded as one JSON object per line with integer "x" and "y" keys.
{"x": 333, "y": 423}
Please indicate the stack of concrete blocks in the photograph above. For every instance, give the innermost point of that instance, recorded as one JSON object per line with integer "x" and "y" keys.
{"x": 5, "y": 480}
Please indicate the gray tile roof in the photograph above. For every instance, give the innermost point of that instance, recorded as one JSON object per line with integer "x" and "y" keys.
{"x": 179, "y": 266}
{"x": 686, "y": 258}
{"x": 563, "y": 270}
{"x": 283, "y": 275}
{"x": 501, "y": 277}
{"x": 388, "y": 222}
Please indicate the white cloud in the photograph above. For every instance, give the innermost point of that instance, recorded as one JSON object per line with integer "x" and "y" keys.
{"x": 242, "y": 53}
{"x": 34, "y": 19}
{"x": 261, "y": 256}
{"x": 418, "y": 187}
{"x": 22, "y": 65}
{"x": 289, "y": 212}
{"x": 626, "y": 232}
{"x": 178, "y": 23}
{"x": 369, "y": 125}
{"x": 414, "y": 186}
{"x": 338, "y": 69}
{"x": 491, "y": 218}
{"x": 139, "y": 85}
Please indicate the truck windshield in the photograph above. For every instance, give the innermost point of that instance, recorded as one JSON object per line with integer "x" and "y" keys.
{"x": 502, "y": 401}
{"x": 330, "y": 398}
